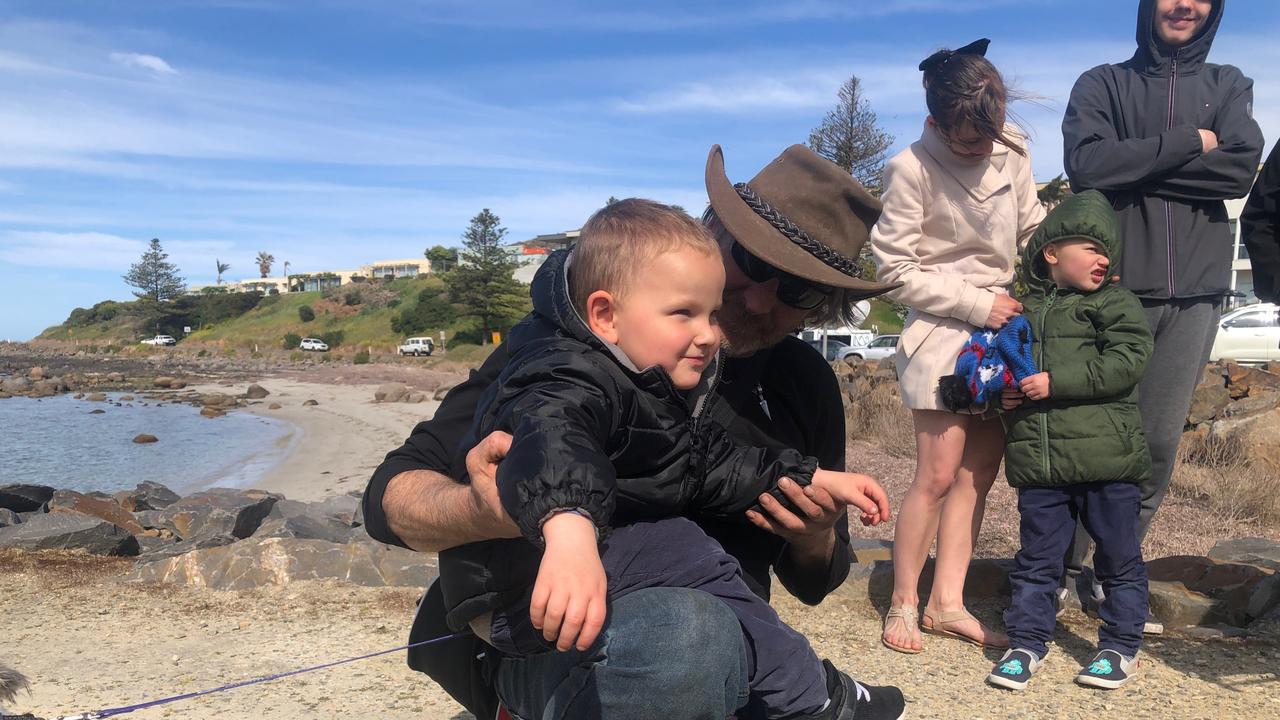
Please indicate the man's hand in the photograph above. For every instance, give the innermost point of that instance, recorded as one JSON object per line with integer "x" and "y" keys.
{"x": 1010, "y": 398}
{"x": 568, "y": 601}
{"x": 1003, "y": 310}
{"x": 1208, "y": 140}
{"x": 482, "y": 468}
{"x": 1035, "y": 386}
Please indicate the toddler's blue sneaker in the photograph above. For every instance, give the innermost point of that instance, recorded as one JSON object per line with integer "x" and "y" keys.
{"x": 1015, "y": 669}
{"x": 1109, "y": 670}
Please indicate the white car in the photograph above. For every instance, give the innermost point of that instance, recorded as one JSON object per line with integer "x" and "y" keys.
{"x": 417, "y": 346}
{"x": 313, "y": 344}
{"x": 884, "y": 346}
{"x": 160, "y": 340}
{"x": 1248, "y": 334}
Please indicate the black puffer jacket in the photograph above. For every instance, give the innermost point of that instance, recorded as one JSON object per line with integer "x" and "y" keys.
{"x": 1260, "y": 228}
{"x": 593, "y": 432}
{"x": 1132, "y": 131}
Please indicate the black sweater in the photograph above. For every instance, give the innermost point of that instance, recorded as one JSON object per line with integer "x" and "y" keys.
{"x": 1131, "y": 131}
{"x": 1260, "y": 229}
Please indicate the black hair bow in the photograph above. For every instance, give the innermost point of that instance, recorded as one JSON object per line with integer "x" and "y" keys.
{"x": 940, "y": 58}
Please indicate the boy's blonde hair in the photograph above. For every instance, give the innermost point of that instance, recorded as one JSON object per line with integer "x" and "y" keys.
{"x": 621, "y": 238}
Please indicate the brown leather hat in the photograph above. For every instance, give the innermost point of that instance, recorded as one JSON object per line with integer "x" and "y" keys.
{"x": 801, "y": 214}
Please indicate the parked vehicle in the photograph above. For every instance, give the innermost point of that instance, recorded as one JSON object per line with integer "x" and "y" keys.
{"x": 417, "y": 346}
{"x": 835, "y": 348}
{"x": 313, "y": 344}
{"x": 1248, "y": 334}
{"x": 884, "y": 346}
{"x": 160, "y": 340}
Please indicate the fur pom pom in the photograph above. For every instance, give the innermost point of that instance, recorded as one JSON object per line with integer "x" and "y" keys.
{"x": 954, "y": 392}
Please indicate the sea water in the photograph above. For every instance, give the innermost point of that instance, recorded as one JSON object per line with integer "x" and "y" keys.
{"x": 59, "y": 441}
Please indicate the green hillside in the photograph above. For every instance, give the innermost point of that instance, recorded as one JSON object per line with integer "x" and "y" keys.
{"x": 353, "y": 315}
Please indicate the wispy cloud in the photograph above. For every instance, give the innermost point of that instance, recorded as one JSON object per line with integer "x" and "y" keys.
{"x": 97, "y": 251}
{"x": 145, "y": 62}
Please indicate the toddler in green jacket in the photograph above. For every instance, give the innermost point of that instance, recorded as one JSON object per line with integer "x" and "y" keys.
{"x": 1074, "y": 444}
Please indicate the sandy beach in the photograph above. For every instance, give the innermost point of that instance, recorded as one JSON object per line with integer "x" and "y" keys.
{"x": 338, "y": 442}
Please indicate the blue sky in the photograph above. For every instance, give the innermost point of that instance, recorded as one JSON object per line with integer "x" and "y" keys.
{"x": 335, "y": 132}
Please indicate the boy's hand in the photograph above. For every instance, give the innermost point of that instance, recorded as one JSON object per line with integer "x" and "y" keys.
{"x": 1035, "y": 386}
{"x": 857, "y": 490}
{"x": 568, "y": 603}
{"x": 1010, "y": 398}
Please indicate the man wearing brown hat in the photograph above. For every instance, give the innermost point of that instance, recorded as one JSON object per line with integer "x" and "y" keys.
{"x": 788, "y": 240}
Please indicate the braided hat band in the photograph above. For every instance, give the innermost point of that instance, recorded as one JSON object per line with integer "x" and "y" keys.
{"x": 792, "y": 232}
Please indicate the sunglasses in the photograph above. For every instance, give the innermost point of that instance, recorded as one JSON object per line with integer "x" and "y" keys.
{"x": 792, "y": 291}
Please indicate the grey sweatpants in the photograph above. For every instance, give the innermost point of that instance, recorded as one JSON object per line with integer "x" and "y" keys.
{"x": 1184, "y": 329}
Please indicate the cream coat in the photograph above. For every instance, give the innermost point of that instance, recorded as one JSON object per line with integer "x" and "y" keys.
{"x": 950, "y": 232}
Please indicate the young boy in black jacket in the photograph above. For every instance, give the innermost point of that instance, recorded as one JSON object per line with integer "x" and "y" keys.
{"x": 603, "y": 396}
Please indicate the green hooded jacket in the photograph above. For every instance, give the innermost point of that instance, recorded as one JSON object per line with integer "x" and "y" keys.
{"x": 1095, "y": 347}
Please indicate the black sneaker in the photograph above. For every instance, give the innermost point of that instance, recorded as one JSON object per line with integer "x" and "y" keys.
{"x": 1015, "y": 669}
{"x": 851, "y": 699}
{"x": 1109, "y": 670}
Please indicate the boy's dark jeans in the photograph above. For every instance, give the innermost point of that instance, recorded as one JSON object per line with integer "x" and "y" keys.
{"x": 783, "y": 671}
{"x": 1109, "y": 512}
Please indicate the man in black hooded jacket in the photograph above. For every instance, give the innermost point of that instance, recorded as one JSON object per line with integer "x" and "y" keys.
{"x": 1260, "y": 229}
{"x": 1167, "y": 137}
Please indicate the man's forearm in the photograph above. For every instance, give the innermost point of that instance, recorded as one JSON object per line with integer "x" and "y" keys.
{"x": 430, "y": 512}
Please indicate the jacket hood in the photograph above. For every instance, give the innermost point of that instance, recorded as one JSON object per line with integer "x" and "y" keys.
{"x": 1155, "y": 57}
{"x": 1084, "y": 215}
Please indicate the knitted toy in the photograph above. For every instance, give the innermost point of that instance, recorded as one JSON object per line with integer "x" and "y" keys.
{"x": 990, "y": 362}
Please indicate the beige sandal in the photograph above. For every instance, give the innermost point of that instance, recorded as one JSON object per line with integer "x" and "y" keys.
{"x": 909, "y": 616}
{"x": 937, "y": 625}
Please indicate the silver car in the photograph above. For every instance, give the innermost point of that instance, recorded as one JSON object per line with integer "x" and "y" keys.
{"x": 883, "y": 346}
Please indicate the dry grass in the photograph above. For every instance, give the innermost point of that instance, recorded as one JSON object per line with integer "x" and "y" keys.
{"x": 1218, "y": 474}
{"x": 880, "y": 418}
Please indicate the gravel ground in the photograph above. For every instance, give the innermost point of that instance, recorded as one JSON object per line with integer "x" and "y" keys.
{"x": 90, "y": 641}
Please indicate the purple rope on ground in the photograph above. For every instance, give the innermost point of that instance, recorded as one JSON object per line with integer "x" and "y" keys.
{"x": 111, "y": 712}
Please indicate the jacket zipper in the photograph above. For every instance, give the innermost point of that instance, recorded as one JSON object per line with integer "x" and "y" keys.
{"x": 1043, "y": 415}
{"x": 1168, "y": 211}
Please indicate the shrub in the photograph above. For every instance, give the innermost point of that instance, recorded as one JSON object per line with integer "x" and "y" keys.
{"x": 466, "y": 336}
{"x": 306, "y": 314}
{"x": 297, "y": 356}
{"x": 291, "y": 341}
{"x": 333, "y": 338}
{"x": 203, "y": 353}
{"x": 351, "y": 298}
{"x": 361, "y": 358}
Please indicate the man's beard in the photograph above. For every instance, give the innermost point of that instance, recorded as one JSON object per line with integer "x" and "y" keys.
{"x": 746, "y": 334}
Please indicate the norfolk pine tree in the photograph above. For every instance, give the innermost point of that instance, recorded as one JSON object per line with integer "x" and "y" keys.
{"x": 482, "y": 283}
{"x": 850, "y": 137}
{"x": 155, "y": 277}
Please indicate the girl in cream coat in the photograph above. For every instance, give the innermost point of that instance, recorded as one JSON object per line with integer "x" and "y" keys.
{"x": 958, "y": 204}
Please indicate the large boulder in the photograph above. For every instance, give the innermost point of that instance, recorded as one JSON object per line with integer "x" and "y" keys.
{"x": 69, "y": 531}
{"x": 1249, "y": 550}
{"x": 1254, "y": 437}
{"x": 256, "y": 392}
{"x": 219, "y": 511}
{"x": 25, "y": 498}
{"x": 276, "y": 561}
{"x": 1193, "y": 590}
{"x": 390, "y": 392}
{"x": 305, "y": 527}
{"x": 147, "y": 496}
{"x": 16, "y": 385}
{"x": 1208, "y": 399}
{"x": 45, "y": 388}
{"x": 162, "y": 547}
{"x": 1243, "y": 380}
{"x": 217, "y": 400}
{"x": 106, "y": 509}
{"x": 1253, "y": 404}
{"x": 9, "y": 517}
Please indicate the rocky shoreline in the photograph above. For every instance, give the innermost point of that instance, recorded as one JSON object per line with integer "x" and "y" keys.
{"x": 222, "y": 538}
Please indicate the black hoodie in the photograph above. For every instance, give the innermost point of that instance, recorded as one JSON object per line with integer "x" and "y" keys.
{"x": 1132, "y": 131}
{"x": 591, "y": 431}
